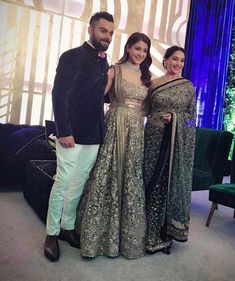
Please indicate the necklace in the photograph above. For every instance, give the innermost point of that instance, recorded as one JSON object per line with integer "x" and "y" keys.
{"x": 132, "y": 67}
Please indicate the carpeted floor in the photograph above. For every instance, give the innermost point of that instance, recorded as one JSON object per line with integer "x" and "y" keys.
{"x": 209, "y": 255}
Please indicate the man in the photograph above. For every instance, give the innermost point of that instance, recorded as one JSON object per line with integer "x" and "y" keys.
{"x": 77, "y": 98}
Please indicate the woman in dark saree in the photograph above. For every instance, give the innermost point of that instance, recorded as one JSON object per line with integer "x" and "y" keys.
{"x": 169, "y": 153}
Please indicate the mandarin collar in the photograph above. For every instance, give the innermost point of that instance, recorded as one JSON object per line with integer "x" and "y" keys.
{"x": 92, "y": 50}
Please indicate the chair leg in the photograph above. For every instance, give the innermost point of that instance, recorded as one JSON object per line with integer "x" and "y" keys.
{"x": 213, "y": 207}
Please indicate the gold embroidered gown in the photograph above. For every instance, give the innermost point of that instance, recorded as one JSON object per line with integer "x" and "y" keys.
{"x": 111, "y": 215}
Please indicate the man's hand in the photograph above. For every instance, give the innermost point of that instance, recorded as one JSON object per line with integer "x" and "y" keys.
{"x": 67, "y": 142}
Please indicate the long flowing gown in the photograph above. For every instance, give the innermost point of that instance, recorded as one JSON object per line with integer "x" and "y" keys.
{"x": 168, "y": 163}
{"x": 111, "y": 216}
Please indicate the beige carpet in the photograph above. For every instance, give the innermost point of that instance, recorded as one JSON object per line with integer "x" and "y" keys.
{"x": 209, "y": 255}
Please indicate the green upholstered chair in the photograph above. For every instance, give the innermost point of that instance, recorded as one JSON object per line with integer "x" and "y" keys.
{"x": 223, "y": 194}
{"x": 211, "y": 157}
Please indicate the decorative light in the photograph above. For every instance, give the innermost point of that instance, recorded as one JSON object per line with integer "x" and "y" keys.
{"x": 229, "y": 103}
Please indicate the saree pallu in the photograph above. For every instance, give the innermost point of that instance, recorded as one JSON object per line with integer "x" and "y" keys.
{"x": 168, "y": 163}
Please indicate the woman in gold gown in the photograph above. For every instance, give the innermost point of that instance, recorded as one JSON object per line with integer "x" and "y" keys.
{"x": 111, "y": 215}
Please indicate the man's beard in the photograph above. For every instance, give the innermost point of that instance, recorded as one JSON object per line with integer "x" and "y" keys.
{"x": 97, "y": 44}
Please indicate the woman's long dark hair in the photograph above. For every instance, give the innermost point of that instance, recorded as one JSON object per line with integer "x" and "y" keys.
{"x": 144, "y": 66}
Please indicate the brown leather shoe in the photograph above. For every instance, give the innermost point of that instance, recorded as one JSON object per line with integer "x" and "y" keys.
{"x": 71, "y": 237}
{"x": 51, "y": 248}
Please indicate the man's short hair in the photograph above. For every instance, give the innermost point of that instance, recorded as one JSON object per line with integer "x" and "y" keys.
{"x": 100, "y": 15}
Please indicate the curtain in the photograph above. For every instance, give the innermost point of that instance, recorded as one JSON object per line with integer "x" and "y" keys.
{"x": 207, "y": 45}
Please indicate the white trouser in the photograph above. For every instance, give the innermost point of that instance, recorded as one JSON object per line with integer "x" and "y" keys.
{"x": 73, "y": 168}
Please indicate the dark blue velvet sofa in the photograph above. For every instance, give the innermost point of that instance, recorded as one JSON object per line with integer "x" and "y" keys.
{"x": 18, "y": 145}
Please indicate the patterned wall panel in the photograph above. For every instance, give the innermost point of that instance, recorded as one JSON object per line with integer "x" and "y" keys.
{"x": 33, "y": 34}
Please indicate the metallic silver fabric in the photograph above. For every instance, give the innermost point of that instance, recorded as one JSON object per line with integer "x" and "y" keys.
{"x": 111, "y": 215}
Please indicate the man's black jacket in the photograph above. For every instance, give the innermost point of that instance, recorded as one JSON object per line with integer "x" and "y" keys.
{"x": 78, "y": 95}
